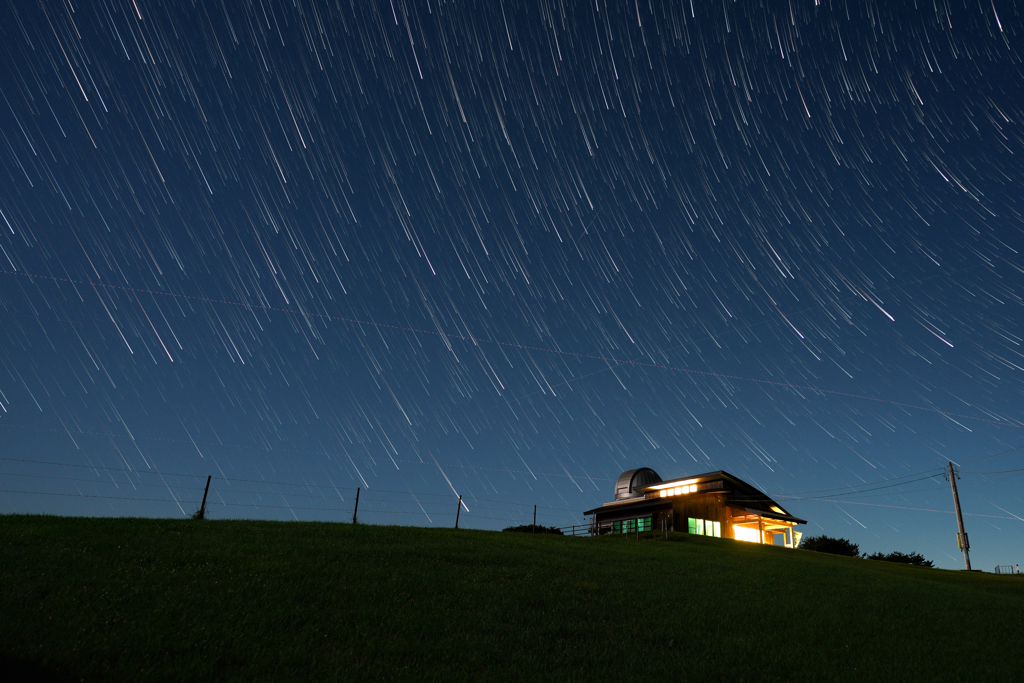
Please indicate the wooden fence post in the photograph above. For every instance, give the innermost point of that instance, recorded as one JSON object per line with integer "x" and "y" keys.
{"x": 355, "y": 511}
{"x": 202, "y": 508}
{"x": 457, "y": 511}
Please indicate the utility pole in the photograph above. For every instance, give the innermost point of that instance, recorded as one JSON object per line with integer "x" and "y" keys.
{"x": 961, "y": 535}
{"x": 355, "y": 510}
{"x": 458, "y": 509}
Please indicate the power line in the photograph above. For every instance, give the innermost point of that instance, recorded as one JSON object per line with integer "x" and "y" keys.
{"x": 88, "y": 481}
{"x": 100, "y": 467}
{"x": 904, "y": 507}
{"x": 986, "y": 457}
{"x": 250, "y": 481}
{"x": 1021, "y": 469}
{"x": 880, "y": 481}
{"x": 86, "y": 495}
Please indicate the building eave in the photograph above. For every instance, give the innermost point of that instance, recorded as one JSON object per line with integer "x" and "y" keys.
{"x": 629, "y": 506}
{"x": 767, "y": 514}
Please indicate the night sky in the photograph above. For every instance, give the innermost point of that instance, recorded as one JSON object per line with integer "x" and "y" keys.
{"x": 509, "y": 250}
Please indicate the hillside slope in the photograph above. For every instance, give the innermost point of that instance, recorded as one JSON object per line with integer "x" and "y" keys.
{"x": 145, "y": 599}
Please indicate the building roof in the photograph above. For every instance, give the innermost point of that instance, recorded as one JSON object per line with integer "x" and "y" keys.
{"x": 740, "y": 494}
{"x": 629, "y": 482}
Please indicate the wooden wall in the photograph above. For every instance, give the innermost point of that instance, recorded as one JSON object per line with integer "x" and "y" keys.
{"x": 710, "y": 506}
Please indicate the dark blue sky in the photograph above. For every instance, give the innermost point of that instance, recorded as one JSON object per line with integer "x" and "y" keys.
{"x": 511, "y": 250}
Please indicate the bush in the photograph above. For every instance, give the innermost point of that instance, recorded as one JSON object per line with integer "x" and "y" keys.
{"x": 534, "y": 529}
{"x": 915, "y": 559}
{"x": 832, "y": 546}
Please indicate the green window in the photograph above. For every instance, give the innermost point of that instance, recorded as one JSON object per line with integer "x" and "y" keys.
{"x": 704, "y": 527}
{"x": 631, "y": 526}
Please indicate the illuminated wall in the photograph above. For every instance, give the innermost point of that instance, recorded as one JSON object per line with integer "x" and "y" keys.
{"x": 743, "y": 533}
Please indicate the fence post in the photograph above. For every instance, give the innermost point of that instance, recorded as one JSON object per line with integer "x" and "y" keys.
{"x": 457, "y": 511}
{"x": 202, "y": 508}
{"x": 355, "y": 511}
{"x": 534, "y": 529}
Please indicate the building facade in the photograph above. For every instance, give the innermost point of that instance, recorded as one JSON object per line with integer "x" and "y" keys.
{"x": 711, "y": 504}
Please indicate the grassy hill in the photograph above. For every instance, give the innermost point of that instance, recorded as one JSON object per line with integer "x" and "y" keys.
{"x": 144, "y": 599}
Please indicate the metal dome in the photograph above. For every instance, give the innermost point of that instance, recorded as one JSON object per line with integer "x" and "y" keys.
{"x": 633, "y": 479}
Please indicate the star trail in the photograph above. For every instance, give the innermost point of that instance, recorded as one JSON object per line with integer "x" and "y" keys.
{"x": 507, "y": 250}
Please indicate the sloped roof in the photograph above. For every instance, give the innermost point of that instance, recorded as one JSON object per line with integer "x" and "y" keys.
{"x": 740, "y": 495}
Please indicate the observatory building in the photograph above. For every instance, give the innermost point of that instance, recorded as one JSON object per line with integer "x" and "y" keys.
{"x": 712, "y": 504}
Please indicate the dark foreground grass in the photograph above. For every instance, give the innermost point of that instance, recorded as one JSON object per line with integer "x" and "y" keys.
{"x": 140, "y": 599}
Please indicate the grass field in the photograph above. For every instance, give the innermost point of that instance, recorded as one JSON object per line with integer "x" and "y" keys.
{"x": 145, "y": 599}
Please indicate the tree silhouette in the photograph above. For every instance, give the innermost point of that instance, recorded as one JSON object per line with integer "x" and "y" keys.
{"x": 832, "y": 546}
{"x": 915, "y": 559}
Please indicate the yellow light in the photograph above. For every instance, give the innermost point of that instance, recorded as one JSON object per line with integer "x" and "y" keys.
{"x": 661, "y": 494}
{"x": 678, "y": 490}
{"x": 670, "y": 484}
{"x": 778, "y": 509}
{"x": 742, "y": 533}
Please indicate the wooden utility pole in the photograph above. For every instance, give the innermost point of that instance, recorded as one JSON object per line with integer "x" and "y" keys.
{"x": 457, "y": 511}
{"x": 961, "y": 535}
{"x": 355, "y": 510}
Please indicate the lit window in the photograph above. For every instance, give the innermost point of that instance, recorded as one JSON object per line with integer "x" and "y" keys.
{"x": 629, "y": 526}
{"x": 704, "y": 527}
{"x": 742, "y": 533}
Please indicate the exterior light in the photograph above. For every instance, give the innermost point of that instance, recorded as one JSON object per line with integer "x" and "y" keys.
{"x": 671, "y": 485}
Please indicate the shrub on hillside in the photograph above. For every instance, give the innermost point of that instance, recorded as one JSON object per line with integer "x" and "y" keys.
{"x": 832, "y": 546}
{"x": 534, "y": 529}
{"x": 915, "y": 559}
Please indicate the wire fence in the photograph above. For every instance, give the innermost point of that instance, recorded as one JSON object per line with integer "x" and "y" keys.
{"x": 230, "y": 497}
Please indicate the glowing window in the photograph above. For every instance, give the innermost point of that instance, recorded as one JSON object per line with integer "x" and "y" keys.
{"x": 704, "y": 527}
{"x": 742, "y": 533}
